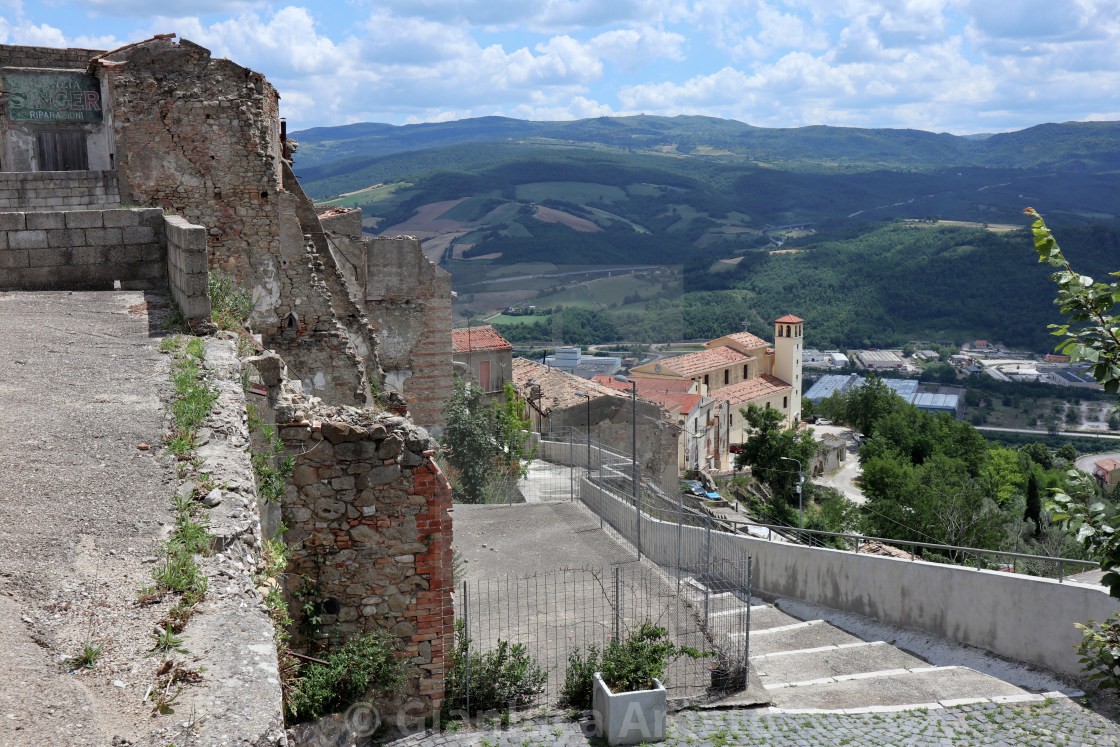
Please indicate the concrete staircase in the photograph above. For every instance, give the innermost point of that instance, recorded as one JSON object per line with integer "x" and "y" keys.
{"x": 811, "y": 665}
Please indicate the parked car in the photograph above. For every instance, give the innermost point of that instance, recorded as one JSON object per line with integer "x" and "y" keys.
{"x": 736, "y": 448}
{"x": 694, "y": 487}
{"x": 823, "y": 421}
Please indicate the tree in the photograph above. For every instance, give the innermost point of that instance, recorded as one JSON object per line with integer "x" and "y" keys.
{"x": 1067, "y": 452}
{"x": 808, "y": 409}
{"x": 1092, "y": 334}
{"x": 511, "y": 432}
{"x": 1033, "y": 510}
{"x": 1038, "y": 453}
{"x": 468, "y": 440}
{"x": 767, "y": 443}
{"x": 867, "y": 403}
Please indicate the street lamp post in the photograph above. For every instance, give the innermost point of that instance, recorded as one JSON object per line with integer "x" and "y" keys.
{"x": 634, "y": 452}
{"x": 588, "y": 398}
{"x": 800, "y": 480}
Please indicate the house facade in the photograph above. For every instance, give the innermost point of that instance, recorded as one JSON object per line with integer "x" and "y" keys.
{"x": 486, "y": 354}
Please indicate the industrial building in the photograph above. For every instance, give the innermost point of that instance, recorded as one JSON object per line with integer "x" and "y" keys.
{"x": 905, "y": 388}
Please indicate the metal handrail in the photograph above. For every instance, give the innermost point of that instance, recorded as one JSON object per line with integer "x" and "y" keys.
{"x": 931, "y": 545}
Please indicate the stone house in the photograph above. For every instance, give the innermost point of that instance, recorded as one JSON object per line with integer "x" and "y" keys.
{"x": 486, "y": 354}
{"x": 701, "y": 441}
{"x": 554, "y": 402}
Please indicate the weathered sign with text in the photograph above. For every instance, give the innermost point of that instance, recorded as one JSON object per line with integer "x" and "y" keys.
{"x": 52, "y": 97}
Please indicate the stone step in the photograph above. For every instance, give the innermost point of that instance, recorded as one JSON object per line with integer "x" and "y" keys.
{"x": 833, "y": 661}
{"x": 925, "y": 687}
{"x": 797, "y": 636}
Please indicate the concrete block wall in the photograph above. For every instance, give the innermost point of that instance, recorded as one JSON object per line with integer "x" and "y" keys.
{"x": 1027, "y": 618}
{"x": 369, "y": 523}
{"x": 58, "y": 190}
{"x": 82, "y": 249}
{"x": 187, "y": 273}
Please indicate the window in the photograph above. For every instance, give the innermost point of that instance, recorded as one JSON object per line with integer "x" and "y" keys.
{"x": 705, "y": 379}
{"x": 745, "y": 374}
{"x": 785, "y": 402}
{"x": 726, "y": 376}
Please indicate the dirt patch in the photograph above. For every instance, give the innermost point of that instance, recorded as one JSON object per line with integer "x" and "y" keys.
{"x": 427, "y": 223}
{"x": 550, "y": 215}
{"x": 787, "y": 251}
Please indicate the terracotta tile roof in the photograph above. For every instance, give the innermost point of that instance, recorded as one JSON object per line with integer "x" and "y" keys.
{"x": 788, "y": 319}
{"x": 1108, "y": 465}
{"x": 744, "y": 339}
{"x": 475, "y": 339}
{"x": 648, "y": 384}
{"x": 658, "y": 390}
{"x": 558, "y": 388}
{"x": 669, "y": 400}
{"x": 750, "y": 390}
{"x": 706, "y": 360}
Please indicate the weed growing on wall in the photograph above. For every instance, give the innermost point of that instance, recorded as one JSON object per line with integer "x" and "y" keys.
{"x": 192, "y": 397}
{"x": 271, "y": 471}
{"x": 230, "y": 306}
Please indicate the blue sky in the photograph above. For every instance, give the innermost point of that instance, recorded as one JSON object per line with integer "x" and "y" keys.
{"x": 961, "y": 66}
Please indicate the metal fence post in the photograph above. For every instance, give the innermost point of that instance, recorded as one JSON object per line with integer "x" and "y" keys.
{"x": 617, "y": 603}
{"x": 571, "y": 463}
{"x": 680, "y": 524}
{"x": 467, "y": 638}
{"x": 600, "y": 480}
{"x": 707, "y": 572}
{"x": 747, "y": 634}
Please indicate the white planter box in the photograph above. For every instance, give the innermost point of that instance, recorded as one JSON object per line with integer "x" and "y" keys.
{"x": 629, "y": 718}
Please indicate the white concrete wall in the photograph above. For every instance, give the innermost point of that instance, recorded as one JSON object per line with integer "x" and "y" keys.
{"x": 1021, "y": 617}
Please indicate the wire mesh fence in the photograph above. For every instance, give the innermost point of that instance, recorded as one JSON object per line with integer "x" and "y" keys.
{"x": 515, "y": 635}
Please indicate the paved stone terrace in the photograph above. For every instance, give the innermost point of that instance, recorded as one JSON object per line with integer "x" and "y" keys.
{"x": 1050, "y": 722}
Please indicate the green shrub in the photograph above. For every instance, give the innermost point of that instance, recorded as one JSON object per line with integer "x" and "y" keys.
{"x": 230, "y": 306}
{"x": 1100, "y": 652}
{"x": 366, "y": 662}
{"x": 503, "y": 679}
{"x": 579, "y": 680}
{"x": 625, "y": 665}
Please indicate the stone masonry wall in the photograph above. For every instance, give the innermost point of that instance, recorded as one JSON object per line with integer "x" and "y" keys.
{"x": 408, "y": 299}
{"x": 58, "y": 190}
{"x": 74, "y": 59}
{"x": 187, "y": 275}
{"x": 201, "y": 137}
{"x": 87, "y": 249}
{"x": 369, "y": 523}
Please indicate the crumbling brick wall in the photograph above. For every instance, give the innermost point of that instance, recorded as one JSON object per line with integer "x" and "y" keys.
{"x": 368, "y": 516}
{"x": 201, "y": 137}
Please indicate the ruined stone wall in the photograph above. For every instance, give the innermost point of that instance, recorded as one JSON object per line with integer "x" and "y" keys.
{"x": 73, "y": 59}
{"x": 82, "y": 249}
{"x": 408, "y": 299}
{"x": 200, "y": 137}
{"x": 369, "y": 523}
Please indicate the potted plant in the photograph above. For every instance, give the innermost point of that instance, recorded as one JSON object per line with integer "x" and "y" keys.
{"x": 626, "y": 694}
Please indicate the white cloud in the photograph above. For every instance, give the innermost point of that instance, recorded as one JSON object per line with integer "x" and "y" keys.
{"x": 550, "y": 16}
{"x": 633, "y": 48}
{"x": 144, "y": 8}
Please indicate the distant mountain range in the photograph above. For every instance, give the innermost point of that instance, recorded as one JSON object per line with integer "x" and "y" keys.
{"x": 768, "y": 220}
{"x": 1068, "y": 146}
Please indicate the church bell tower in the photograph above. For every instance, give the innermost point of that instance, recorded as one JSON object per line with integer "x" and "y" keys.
{"x": 788, "y": 350}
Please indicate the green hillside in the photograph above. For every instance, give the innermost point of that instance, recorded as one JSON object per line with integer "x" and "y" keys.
{"x": 874, "y": 236}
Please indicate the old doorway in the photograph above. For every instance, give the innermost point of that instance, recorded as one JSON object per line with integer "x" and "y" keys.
{"x": 62, "y": 150}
